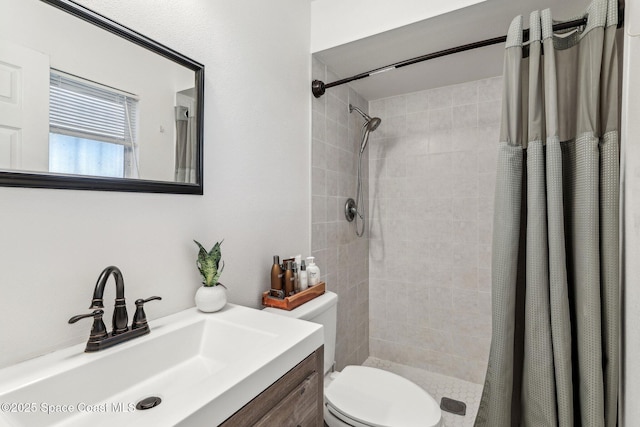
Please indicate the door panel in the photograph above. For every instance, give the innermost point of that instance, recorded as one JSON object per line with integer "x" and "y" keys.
{"x": 24, "y": 86}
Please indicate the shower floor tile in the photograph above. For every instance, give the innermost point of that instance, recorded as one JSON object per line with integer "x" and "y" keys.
{"x": 438, "y": 386}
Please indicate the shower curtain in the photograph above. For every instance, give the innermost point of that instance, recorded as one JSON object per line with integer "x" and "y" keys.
{"x": 185, "y": 167}
{"x": 554, "y": 351}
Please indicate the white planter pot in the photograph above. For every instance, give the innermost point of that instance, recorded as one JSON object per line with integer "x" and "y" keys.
{"x": 211, "y": 298}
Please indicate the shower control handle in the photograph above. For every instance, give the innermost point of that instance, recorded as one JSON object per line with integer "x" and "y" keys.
{"x": 350, "y": 209}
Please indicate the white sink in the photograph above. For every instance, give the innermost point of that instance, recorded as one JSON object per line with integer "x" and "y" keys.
{"x": 202, "y": 366}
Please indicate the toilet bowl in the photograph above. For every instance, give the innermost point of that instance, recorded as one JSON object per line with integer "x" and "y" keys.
{"x": 360, "y": 396}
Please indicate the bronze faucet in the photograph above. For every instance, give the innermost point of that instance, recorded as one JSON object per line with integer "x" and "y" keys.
{"x": 120, "y": 317}
{"x": 99, "y": 339}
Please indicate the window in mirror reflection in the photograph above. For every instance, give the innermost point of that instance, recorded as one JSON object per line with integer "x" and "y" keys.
{"x": 92, "y": 128}
{"x": 79, "y": 156}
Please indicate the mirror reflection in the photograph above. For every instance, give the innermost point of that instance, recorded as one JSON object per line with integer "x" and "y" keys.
{"x": 78, "y": 100}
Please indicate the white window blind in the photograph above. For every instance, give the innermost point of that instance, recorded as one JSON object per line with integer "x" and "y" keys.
{"x": 85, "y": 109}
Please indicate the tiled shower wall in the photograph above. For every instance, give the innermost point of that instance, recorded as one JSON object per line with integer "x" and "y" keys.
{"x": 432, "y": 180}
{"x": 342, "y": 256}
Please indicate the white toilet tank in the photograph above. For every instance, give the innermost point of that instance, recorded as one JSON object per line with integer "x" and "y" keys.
{"x": 322, "y": 310}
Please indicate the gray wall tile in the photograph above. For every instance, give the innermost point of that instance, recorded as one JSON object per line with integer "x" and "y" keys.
{"x": 341, "y": 256}
{"x": 432, "y": 179}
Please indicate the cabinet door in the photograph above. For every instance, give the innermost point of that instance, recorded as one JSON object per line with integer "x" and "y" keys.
{"x": 304, "y": 383}
{"x": 297, "y": 409}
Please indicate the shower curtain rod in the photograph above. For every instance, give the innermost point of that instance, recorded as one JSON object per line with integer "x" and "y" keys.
{"x": 318, "y": 87}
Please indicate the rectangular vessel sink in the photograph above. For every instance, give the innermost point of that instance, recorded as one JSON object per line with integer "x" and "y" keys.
{"x": 195, "y": 362}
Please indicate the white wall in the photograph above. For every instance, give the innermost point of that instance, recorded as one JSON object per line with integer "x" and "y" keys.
{"x": 631, "y": 217}
{"x": 336, "y": 22}
{"x": 54, "y": 243}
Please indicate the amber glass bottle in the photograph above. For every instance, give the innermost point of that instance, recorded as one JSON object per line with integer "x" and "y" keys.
{"x": 289, "y": 279}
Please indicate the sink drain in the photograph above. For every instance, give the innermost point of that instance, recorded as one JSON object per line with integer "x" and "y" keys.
{"x": 453, "y": 406}
{"x": 148, "y": 403}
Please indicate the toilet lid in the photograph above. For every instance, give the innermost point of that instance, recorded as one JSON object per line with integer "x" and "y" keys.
{"x": 382, "y": 399}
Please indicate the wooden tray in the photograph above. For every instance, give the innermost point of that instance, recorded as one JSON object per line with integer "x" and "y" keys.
{"x": 289, "y": 303}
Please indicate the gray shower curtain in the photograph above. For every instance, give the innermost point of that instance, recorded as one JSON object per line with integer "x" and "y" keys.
{"x": 185, "y": 164}
{"x": 554, "y": 351}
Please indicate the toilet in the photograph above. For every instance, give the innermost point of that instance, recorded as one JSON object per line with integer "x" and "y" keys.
{"x": 361, "y": 396}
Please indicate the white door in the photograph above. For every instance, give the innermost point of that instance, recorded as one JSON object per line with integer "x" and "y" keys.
{"x": 24, "y": 108}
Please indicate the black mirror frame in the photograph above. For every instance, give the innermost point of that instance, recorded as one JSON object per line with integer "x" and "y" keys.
{"x": 74, "y": 182}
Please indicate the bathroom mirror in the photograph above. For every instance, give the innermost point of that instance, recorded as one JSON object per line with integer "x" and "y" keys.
{"x": 86, "y": 103}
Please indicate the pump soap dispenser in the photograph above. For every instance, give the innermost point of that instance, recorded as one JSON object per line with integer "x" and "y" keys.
{"x": 313, "y": 271}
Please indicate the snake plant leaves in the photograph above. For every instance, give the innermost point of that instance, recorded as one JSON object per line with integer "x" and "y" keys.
{"x": 208, "y": 263}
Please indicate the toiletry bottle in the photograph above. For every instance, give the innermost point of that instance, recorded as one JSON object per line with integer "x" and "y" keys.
{"x": 296, "y": 271}
{"x": 296, "y": 278}
{"x": 313, "y": 272}
{"x": 304, "y": 278}
{"x": 276, "y": 278}
{"x": 289, "y": 280}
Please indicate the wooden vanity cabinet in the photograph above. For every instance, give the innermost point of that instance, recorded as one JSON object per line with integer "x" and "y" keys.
{"x": 295, "y": 400}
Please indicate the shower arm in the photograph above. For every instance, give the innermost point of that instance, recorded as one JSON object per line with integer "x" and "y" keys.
{"x": 366, "y": 117}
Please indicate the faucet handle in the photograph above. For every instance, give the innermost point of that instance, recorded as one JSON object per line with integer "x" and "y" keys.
{"x": 140, "y": 318}
{"x": 98, "y": 330}
{"x": 144, "y": 301}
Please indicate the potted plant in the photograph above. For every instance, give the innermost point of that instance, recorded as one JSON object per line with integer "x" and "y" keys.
{"x": 212, "y": 295}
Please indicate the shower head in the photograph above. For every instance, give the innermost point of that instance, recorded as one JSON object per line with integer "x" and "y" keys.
{"x": 371, "y": 124}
